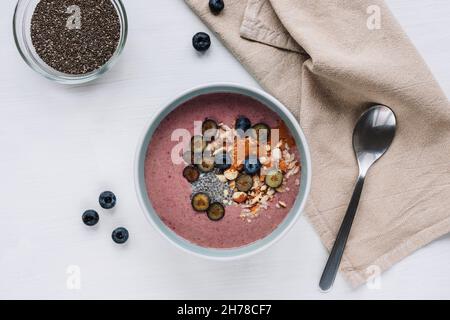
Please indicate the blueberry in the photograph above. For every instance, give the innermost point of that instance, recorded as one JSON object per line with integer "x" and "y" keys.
{"x": 120, "y": 235}
{"x": 242, "y": 123}
{"x": 216, "y": 6}
{"x": 252, "y": 165}
{"x": 90, "y": 217}
{"x": 107, "y": 200}
{"x": 201, "y": 41}
{"x": 223, "y": 161}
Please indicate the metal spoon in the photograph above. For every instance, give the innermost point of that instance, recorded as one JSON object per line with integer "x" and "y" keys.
{"x": 372, "y": 137}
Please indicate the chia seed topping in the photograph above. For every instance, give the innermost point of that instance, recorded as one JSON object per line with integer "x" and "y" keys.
{"x": 217, "y": 191}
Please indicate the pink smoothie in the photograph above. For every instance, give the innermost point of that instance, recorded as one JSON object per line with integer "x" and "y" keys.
{"x": 170, "y": 193}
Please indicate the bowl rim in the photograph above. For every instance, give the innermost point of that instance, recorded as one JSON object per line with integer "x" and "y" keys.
{"x": 59, "y": 77}
{"x": 216, "y": 253}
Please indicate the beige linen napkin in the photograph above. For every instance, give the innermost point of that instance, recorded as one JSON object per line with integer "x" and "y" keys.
{"x": 329, "y": 60}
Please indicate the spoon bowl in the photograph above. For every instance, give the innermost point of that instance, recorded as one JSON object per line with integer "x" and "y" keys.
{"x": 373, "y": 135}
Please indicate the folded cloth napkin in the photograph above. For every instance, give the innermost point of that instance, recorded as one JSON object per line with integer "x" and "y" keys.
{"x": 328, "y": 61}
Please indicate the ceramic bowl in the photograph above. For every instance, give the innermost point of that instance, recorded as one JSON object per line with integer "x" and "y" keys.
{"x": 283, "y": 227}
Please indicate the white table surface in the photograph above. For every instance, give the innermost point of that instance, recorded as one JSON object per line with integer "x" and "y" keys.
{"x": 61, "y": 146}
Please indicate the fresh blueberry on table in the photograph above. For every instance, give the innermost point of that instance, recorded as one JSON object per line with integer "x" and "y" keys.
{"x": 242, "y": 123}
{"x": 216, "y": 6}
{"x": 120, "y": 235}
{"x": 90, "y": 217}
{"x": 252, "y": 165}
{"x": 107, "y": 200}
{"x": 201, "y": 41}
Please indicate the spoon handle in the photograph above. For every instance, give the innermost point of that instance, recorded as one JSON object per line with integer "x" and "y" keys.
{"x": 332, "y": 266}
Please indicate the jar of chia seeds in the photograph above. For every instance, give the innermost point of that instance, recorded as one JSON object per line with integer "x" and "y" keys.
{"x": 70, "y": 41}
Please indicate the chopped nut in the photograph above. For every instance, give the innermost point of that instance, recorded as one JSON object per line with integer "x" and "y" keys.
{"x": 256, "y": 199}
{"x": 293, "y": 171}
{"x": 256, "y": 182}
{"x": 291, "y": 165}
{"x": 276, "y": 154}
{"x": 297, "y": 182}
{"x": 239, "y": 197}
{"x": 221, "y": 178}
{"x": 264, "y": 160}
{"x": 268, "y": 166}
{"x": 283, "y": 166}
{"x": 282, "y": 204}
{"x": 231, "y": 174}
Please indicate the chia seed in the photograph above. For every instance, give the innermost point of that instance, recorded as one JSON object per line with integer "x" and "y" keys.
{"x": 214, "y": 188}
{"x": 75, "y": 36}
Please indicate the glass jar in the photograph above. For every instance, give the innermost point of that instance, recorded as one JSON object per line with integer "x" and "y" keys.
{"x": 22, "y": 36}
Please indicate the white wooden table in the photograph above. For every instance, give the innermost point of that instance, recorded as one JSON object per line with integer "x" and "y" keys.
{"x": 61, "y": 146}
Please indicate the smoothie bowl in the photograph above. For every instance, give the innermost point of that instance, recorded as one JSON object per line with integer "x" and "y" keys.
{"x": 223, "y": 171}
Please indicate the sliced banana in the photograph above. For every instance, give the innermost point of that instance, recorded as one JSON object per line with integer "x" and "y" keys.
{"x": 216, "y": 211}
{"x": 244, "y": 182}
{"x": 191, "y": 173}
{"x": 274, "y": 178}
{"x": 200, "y": 202}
